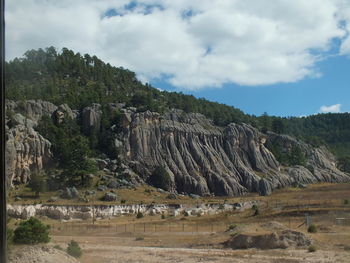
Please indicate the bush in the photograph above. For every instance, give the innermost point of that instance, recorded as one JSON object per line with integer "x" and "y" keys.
{"x": 74, "y": 249}
{"x": 256, "y": 210}
{"x": 31, "y": 231}
{"x": 160, "y": 178}
{"x": 123, "y": 201}
{"x": 37, "y": 184}
{"x": 58, "y": 247}
{"x": 312, "y": 248}
{"x": 139, "y": 215}
{"x": 312, "y": 229}
{"x": 163, "y": 216}
{"x": 232, "y": 227}
{"x": 346, "y": 201}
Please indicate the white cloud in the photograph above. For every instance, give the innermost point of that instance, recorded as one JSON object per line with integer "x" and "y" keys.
{"x": 224, "y": 41}
{"x": 332, "y": 108}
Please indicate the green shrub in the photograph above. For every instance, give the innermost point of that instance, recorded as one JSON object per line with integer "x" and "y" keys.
{"x": 37, "y": 184}
{"x": 221, "y": 206}
{"x": 74, "y": 249}
{"x": 163, "y": 216}
{"x": 346, "y": 201}
{"x": 256, "y": 210}
{"x": 160, "y": 178}
{"x": 312, "y": 248}
{"x": 312, "y": 229}
{"x": 58, "y": 247}
{"x": 139, "y": 215}
{"x": 123, "y": 201}
{"x": 31, "y": 231}
{"x": 232, "y": 227}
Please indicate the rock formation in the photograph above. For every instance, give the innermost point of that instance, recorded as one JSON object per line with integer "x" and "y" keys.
{"x": 201, "y": 158}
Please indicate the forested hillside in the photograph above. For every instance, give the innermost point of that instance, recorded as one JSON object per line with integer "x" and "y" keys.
{"x": 79, "y": 80}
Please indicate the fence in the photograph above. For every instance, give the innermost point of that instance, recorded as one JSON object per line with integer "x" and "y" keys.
{"x": 138, "y": 228}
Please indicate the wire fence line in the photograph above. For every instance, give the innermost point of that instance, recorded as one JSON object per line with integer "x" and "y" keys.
{"x": 141, "y": 227}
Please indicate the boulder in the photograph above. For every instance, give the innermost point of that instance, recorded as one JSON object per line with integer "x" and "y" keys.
{"x": 264, "y": 187}
{"x": 102, "y": 188}
{"x": 110, "y": 197}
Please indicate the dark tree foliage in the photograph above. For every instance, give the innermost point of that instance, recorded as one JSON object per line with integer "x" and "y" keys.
{"x": 80, "y": 80}
{"x": 160, "y": 178}
{"x": 31, "y": 231}
{"x": 278, "y": 126}
{"x": 294, "y": 156}
{"x": 37, "y": 184}
{"x": 71, "y": 149}
{"x": 77, "y": 166}
{"x": 344, "y": 164}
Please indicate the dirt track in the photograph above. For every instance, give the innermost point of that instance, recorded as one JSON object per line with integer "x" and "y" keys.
{"x": 111, "y": 250}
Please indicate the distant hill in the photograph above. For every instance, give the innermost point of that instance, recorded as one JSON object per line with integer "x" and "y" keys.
{"x": 80, "y": 80}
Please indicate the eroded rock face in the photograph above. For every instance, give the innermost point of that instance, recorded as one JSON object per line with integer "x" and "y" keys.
{"x": 91, "y": 117}
{"x": 203, "y": 159}
{"x": 32, "y": 109}
{"x": 320, "y": 163}
{"x": 200, "y": 157}
{"x": 26, "y": 151}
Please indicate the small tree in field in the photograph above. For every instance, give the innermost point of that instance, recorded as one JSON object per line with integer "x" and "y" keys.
{"x": 74, "y": 249}
{"x": 31, "y": 231}
{"x": 37, "y": 184}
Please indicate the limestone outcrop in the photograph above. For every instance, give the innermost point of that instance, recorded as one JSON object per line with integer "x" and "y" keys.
{"x": 201, "y": 158}
{"x": 71, "y": 212}
{"x": 26, "y": 150}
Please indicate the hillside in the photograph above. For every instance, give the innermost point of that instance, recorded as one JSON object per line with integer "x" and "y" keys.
{"x": 69, "y": 112}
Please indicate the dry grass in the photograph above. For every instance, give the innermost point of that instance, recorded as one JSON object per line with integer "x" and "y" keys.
{"x": 195, "y": 239}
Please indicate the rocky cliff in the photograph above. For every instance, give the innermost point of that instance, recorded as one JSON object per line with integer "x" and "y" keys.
{"x": 200, "y": 157}
{"x": 26, "y": 149}
{"x": 203, "y": 159}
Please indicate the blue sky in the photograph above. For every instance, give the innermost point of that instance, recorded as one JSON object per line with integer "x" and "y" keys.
{"x": 301, "y": 98}
{"x": 286, "y": 58}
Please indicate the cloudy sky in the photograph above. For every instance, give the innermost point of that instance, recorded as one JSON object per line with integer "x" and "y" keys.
{"x": 287, "y": 58}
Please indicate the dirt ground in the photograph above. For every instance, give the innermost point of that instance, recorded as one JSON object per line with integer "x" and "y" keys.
{"x": 119, "y": 250}
{"x": 183, "y": 239}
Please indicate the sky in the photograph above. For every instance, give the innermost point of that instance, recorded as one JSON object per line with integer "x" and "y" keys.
{"x": 286, "y": 58}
